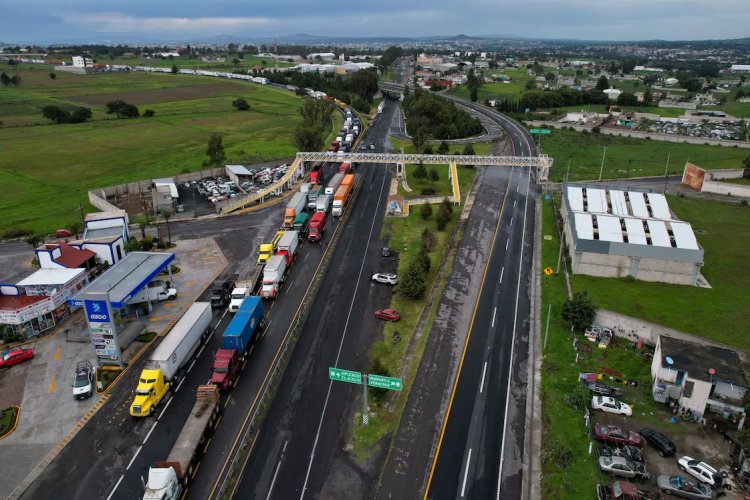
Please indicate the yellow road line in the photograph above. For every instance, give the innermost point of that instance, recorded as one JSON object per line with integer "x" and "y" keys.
{"x": 52, "y": 382}
{"x": 56, "y": 356}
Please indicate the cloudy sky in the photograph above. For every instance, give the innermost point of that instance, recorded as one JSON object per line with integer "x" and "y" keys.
{"x": 47, "y": 21}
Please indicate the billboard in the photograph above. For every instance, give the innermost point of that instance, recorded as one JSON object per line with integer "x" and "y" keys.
{"x": 97, "y": 311}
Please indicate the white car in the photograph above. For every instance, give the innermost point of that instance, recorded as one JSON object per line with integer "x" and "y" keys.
{"x": 386, "y": 278}
{"x": 611, "y": 405}
{"x": 699, "y": 470}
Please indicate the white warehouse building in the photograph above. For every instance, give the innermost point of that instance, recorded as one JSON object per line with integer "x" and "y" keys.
{"x": 615, "y": 233}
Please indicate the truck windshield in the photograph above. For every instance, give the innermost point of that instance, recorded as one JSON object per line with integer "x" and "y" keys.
{"x": 238, "y": 295}
{"x": 221, "y": 369}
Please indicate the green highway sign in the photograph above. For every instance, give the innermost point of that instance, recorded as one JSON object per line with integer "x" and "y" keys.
{"x": 543, "y": 131}
{"x": 340, "y": 375}
{"x": 382, "y": 382}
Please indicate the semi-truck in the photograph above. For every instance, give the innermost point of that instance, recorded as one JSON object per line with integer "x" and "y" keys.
{"x": 274, "y": 275}
{"x": 301, "y": 224}
{"x": 317, "y": 227}
{"x": 236, "y": 341}
{"x": 166, "y": 362}
{"x": 288, "y": 246}
{"x": 266, "y": 250}
{"x": 155, "y": 291}
{"x": 245, "y": 287}
{"x": 315, "y": 175}
{"x": 295, "y": 207}
{"x": 324, "y": 203}
{"x": 168, "y": 480}
{"x": 312, "y": 198}
{"x": 345, "y": 167}
{"x": 341, "y": 198}
{"x": 334, "y": 184}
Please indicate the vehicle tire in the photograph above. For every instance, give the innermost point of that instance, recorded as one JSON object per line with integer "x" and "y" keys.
{"x": 682, "y": 467}
{"x": 662, "y": 454}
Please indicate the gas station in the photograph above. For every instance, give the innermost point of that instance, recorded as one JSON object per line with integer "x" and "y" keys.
{"x": 109, "y": 302}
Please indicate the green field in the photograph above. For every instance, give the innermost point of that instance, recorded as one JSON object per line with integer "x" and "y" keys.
{"x": 60, "y": 163}
{"x": 497, "y": 90}
{"x": 718, "y": 313}
{"x": 628, "y": 157}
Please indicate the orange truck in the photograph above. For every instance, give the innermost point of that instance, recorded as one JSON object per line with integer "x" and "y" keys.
{"x": 343, "y": 193}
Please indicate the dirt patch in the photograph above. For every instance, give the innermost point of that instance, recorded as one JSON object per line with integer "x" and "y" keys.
{"x": 184, "y": 93}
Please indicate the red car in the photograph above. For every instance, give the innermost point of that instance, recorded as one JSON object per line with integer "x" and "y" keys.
{"x": 14, "y": 356}
{"x": 614, "y": 434}
{"x": 388, "y": 314}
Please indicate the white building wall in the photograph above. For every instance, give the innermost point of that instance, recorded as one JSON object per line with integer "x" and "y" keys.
{"x": 731, "y": 391}
{"x": 697, "y": 401}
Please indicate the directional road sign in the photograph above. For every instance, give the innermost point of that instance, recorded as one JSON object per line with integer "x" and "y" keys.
{"x": 542, "y": 131}
{"x": 382, "y": 382}
{"x": 340, "y": 375}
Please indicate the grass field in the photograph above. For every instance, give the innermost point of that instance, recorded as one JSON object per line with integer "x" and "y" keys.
{"x": 718, "y": 313}
{"x": 629, "y": 157}
{"x": 497, "y": 90}
{"x": 60, "y": 163}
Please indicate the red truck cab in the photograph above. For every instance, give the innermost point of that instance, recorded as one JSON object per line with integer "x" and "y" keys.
{"x": 226, "y": 367}
{"x": 345, "y": 168}
{"x": 317, "y": 227}
{"x": 315, "y": 175}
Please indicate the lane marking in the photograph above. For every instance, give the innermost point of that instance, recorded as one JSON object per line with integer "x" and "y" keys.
{"x": 466, "y": 474}
{"x": 276, "y": 472}
{"x": 343, "y": 336}
{"x": 494, "y": 312}
{"x": 149, "y": 432}
{"x": 226, "y": 402}
{"x": 502, "y": 272}
{"x": 179, "y": 385}
{"x": 115, "y": 488}
{"x": 506, "y": 243}
{"x": 200, "y": 351}
{"x": 163, "y": 410}
{"x": 134, "y": 456}
{"x": 56, "y": 356}
{"x": 514, "y": 202}
{"x": 191, "y": 366}
{"x": 52, "y": 382}
{"x": 265, "y": 330}
{"x": 484, "y": 372}
{"x": 511, "y": 222}
{"x": 512, "y": 346}
{"x": 306, "y": 256}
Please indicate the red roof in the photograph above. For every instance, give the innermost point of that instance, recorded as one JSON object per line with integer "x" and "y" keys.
{"x": 72, "y": 257}
{"x": 16, "y": 302}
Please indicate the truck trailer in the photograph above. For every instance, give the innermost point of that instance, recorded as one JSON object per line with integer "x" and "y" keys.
{"x": 313, "y": 197}
{"x": 323, "y": 204}
{"x": 166, "y": 362}
{"x": 288, "y": 246}
{"x": 168, "y": 480}
{"x": 341, "y": 198}
{"x": 301, "y": 224}
{"x": 334, "y": 184}
{"x": 295, "y": 207}
{"x": 236, "y": 341}
{"x": 274, "y": 275}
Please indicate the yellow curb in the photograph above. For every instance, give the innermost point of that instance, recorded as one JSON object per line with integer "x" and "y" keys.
{"x": 15, "y": 423}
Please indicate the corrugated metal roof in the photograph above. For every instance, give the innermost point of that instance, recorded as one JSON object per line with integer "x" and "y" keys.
{"x": 636, "y": 231}
{"x": 659, "y": 206}
{"x": 659, "y": 234}
{"x": 638, "y": 204}
{"x": 237, "y": 169}
{"x": 51, "y": 277}
{"x": 683, "y": 235}
{"x": 597, "y": 201}
{"x": 575, "y": 198}
{"x": 609, "y": 228}
{"x": 584, "y": 226}
{"x": 619, "y": 205}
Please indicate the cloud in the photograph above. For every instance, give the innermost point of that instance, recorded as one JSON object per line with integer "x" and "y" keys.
{"x": 115, "y": 22}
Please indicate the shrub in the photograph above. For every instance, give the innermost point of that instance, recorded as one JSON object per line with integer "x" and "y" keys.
{"x": 433, "y": 175}
{"x": 557, "y": 453}
{"x": 427, "y": 149}
{"x": 427, "y": 191}
{"x": 425, "y": 211}
{"x": 579, "y": 311}
{"x": 420, "y": 172}
{"x": 149, "y": 113}
{"x": 428, "y": 239}
{"x": 16, "y": 232}
{"x": 413, "y": 283}
{"x": 240, "y": 104}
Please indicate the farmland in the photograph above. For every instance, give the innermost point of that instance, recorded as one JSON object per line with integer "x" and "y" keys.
{"x": 60, "y": 163}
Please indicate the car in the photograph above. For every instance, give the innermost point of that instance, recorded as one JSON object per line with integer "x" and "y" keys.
{"x": 681, "y": 487}
{"x": 363, "y": 147}
{"x": 14, "y": 356}
{"x": 63, "y": 233}
{"x": 658, "y": 441}
{"x": 388, "y": 314}
{"x": 632, "y": 453}
{"x": 616, "y": 435}
{"x": 83, "y": 383}
{"x": 611, "y": 405}
{"x": 386, "y": 252}
{"x": 602, "y": 389}
{"x": 372, "y": 147}
{"x": 620, "y": 466}
{"x": 387, "y": 278}
{"x": 699, "y": 470}
{"x": 623, "y": 490}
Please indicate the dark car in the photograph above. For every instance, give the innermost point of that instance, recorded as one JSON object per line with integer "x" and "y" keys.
{"x": 623, "y": 490}
{"x": 603, "y": 389}
{"x": 633, "y": 453}
{"x": 386, "y": 252}
{"x": 658, "y": 441}
{"x": 221, "y": 290}
{"x": 616, "y": 435}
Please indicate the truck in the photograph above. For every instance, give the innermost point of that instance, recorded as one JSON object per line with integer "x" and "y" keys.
{"x": 295, "y": 207}
{"x": 317, "y": 227}
{"x": 245, "y": 287}
{"x": 304, "y": 188}
{"x": 166, "y": 362}
{"x": 274, "y": 275}
{"x": 312, "y": 198}
{"x": 323, "y": 204}
{"x": 221, "y": 291}
{"x": 334, "y": 184}
{"x": 155, "y": 291}
{"x": 168, "y": 480}
{"x": 301, "y": 224}
{"x": 235, "y": 342}
{"x": 315, "y": 175}
{"x": 266, "y": 250}
{"x": 288, "y": 246}
{"x": 341, "y": 198}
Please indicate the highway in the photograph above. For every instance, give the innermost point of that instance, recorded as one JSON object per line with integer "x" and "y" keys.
{"x": 295, "y": 446}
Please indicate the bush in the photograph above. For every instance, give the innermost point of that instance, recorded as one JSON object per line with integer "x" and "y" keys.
{"x": 147, "y": 243}
{"x": 428, "y": 239}
{"x": 240, "y": 104}
{"x": 17, "y": 232}
{"x": 441, "y": 220}
{"x": 443, "y": 148}
{"x": 149, "y": 113}
{"x": 413, "y": 283}
{"x": 557, "y": 454}
{"x": 427, "y": 149}
{"x": 433, "y": 175}
{"x": 425, "y": 211}
{"x": 579, "y": 311}
{"x": 579, "y": 398}
{"x": 468, "y": 150}
{"x": 420, "y": 172}
{"x": 360, "y": 104}
{"x": 423, "y": 259}
{"x": 427, "y": 191}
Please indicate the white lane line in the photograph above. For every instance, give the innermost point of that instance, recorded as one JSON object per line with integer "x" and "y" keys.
{"x": 288, "y": 287}
{"x": 512, "y": 346}
{"x": 502, "y": 272}
{"x": 200, "y": 351}
{"x": 484, "y": 372}
{"x": 514, "y": 202}
{"x": 266, "y": 328}
{"x": 494, "y": 312}
{"x": 115, "y": 488}
{"x": 341, "y": 345}
{"x": 306, "y": 256}
{"x": 165, "y": 407}
{"x": 133, "y": 459}
{"x": 506, "y": 243}
{"x": 276, "y": 472}
{"x": 191, "y": 366}
{"x": 179, "y": 385}
{"x": 149, "y": 432}
{"x": 466, "y": 474}
{"x": 511, "y": 221}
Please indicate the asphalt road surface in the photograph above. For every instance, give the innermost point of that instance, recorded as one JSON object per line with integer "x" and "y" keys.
{"x": 295, "y": 446}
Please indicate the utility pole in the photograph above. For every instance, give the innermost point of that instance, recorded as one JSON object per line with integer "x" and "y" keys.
{"x": 601, "y": 169}
{"x": 666, "y": 167}
{"x": 365, "y": 411}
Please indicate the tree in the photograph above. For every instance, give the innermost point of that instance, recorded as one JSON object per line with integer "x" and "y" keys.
{"x": 241, "y": 104}
{"x": 56, "y": 114}
{"x": 433, "y": 175}
{"x": 441, "y": 219}
{"x": 76, "y": 228}
{"x": 360, "y": 104}
{"x": 423, "y": 259}
{"x": 142, "y": 226}
{"x": 80, "y": 115}
{"x": 34, "y": 240}
{"x": 364, "y": 83}
{"x": 647, "y": 96}
{"x": 307, "y": 138}
{"x": 236, "y": 61}
{"x": 428, "y": 239}
{"x": 4, "y": 79}
{"x": 425, "y": 211}
{"x": 602, "y": 83}
{"x": 627, "y": 99}
{"x": 413, "y": 284}
{"x": 15, "y": 80}
{"x": 530, "y": 84}
{"x": 473, "y": 83}
{"x": 446, "y": 206}
{"x": 468, "y": 150}
{"x": 53, "y": 75}
{"x": 149, "y": 113}
{"x": 579, "y": 311}
{"x": 167, "y": 214}
{"x": 443, "y": 148}
{"x": 215, "y": 150}
{"x": 420, "y": 172}
{"x": 427, "y": 149}
{"x": 550, "y": 77}
{"x": 122, "y": 109}
{"x": 175, "y": 69}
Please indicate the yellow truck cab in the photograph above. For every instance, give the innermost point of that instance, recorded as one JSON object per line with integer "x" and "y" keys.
{"x": 151, "y": 389}
{"x": 267, "y": 250}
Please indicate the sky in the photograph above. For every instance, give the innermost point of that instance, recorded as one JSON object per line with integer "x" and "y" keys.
{"x": 53, "y": 21}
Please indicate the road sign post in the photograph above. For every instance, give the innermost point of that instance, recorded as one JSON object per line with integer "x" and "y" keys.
{"x": 339, "y": 375}
{"x": 379, "y": 381}
{"x": 365, "y": 410}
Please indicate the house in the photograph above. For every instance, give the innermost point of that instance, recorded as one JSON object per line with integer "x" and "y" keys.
{"x": 701, "y": 379}
{"x": 740, "y": 68}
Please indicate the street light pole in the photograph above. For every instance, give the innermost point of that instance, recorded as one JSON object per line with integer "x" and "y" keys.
{"x": 601, "y": 169}
{"x": 666, "y": 167}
